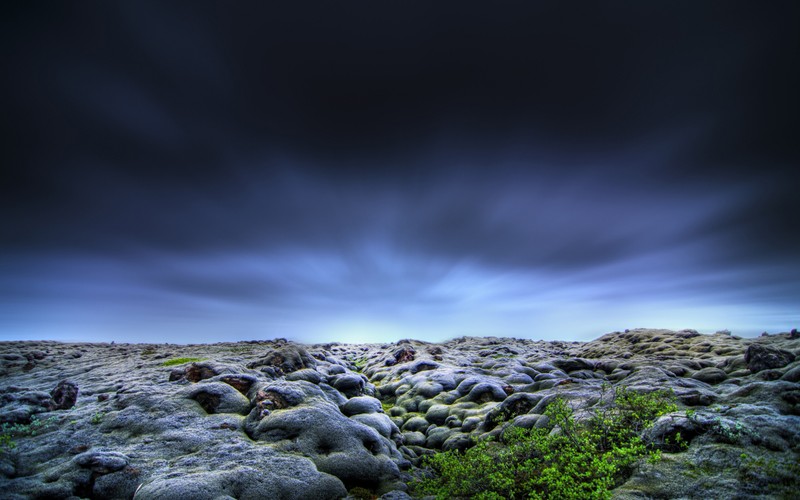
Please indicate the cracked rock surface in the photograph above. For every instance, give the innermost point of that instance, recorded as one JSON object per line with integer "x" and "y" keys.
{"x": 276, "y": 419}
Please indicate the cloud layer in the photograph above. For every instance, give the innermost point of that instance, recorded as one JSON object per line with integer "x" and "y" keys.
{"x": 209, "y": 173}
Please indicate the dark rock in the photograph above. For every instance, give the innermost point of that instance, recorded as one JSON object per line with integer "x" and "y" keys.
{"x": 573, "y": 364}
{"x": 485, "y": 392}
{"x": 286, "y": 359}
{"x": 763, "y": 357}
{"x": 349, "y": 384}
{"x": 64, "y": 395}
{"x": 241, "y": 383}
{"x": 218, "y": 397}
{"x": 423, "y": 365}
{"x": 770, "y": 374}
{"x": 194, "y": 372}
{"x": 402, "y": 355}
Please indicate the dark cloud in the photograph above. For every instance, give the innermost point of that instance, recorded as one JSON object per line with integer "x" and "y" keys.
{"x": 307, "y": 168}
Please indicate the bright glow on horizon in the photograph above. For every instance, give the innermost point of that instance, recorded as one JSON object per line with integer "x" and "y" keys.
{"x": 372, "y": 296}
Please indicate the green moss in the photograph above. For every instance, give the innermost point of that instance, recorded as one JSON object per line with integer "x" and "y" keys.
{"x": 563, "y": 460}
{"x": 180, "y": 361}
{"x": 362, "y": 493}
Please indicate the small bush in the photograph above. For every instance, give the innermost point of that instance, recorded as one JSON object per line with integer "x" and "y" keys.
{"x": 9, "y": 431}
{"x": 563, "y": 460}
{"x": 180, "y": 361}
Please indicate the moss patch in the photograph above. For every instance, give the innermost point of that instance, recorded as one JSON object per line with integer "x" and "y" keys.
{"x": 180, "y": 361}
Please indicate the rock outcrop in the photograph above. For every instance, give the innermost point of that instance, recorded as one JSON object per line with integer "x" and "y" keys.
{"x": 281, "y": 420}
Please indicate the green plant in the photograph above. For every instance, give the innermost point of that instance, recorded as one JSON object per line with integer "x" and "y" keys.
{"x": 727, "y": 432}
{"x": 6, "y": 443}
{"x": 564, "y": 459}
{"x": 360, "y": 363}
{"x": 180, "y": 361}
{"x": 9, "y": 431}
{"x": 97, "y": 418}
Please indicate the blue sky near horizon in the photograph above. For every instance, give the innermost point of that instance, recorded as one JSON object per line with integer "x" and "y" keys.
{"x": 352, "y": 174}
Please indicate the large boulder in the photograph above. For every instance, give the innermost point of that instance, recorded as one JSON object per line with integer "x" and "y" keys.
{"x": 355, "y": 453}
{"x": 764, "y": 357}
{"x": 64, "y": 395}
{"x": 286, "y": 359}
{"x": 218, "y": 397}
{"x": 264, "y": 474}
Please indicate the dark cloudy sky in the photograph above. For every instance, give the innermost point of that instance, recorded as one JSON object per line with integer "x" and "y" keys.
{"x": 194, "y": 171}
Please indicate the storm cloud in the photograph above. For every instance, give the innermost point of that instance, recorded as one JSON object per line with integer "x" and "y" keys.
{"x": 197, "y": 171}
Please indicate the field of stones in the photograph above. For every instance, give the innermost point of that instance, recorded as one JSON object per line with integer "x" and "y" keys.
{"x": 276, "y": 419}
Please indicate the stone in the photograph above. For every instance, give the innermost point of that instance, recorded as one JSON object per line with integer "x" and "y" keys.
{"x": 763, "y": 357}
{"x": 286, "y": 359}
{"x": 351, "y": 451}
{"x": 361, "y": 404}
{"x": 307, "y": 374}
{"x": 711, "y": 376}
{"x": 320, "y": 431}
{"x": 64, "y": 395}
{"x": 219, "y": 397}
{"x": 349, "y": 384}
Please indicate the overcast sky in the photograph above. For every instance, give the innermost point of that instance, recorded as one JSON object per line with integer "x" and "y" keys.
{"x": 339, "y": 171}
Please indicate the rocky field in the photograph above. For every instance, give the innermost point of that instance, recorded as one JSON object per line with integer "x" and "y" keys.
{"x": 275, "y": 419}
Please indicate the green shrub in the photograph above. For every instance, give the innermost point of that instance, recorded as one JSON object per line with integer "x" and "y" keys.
{"x": 9, "y": 431}
{"x": 180, "y": 361}
{"x": 564, "y": 459}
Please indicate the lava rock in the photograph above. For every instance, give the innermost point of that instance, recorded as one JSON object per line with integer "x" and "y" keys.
{"x": 763, "y": 357}
{"x": 64, "y": 395}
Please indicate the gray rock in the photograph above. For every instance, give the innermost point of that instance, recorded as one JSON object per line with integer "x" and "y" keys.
{"x": 437, "y": 414}
{"x": 416, "y": 424}
{"x": 710, "y": 375}
{"x": 792, "y": 375}
{"x": 361, "y": 404}
{"x": 307, "y": 374}
{"x": 573, "y": 364}
{"x": 340, "y": 446}
{"x": 270, "y": 475}
{"x": 101, "y": 462}
{"x": 437, "y": 436}
{"x": 219, "y": 397}
{"x": 380, "y": 422}
{"x": 414, "y": 439}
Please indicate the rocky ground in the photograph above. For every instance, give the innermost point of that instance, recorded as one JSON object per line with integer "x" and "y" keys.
{"x": 274, "y": 419}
